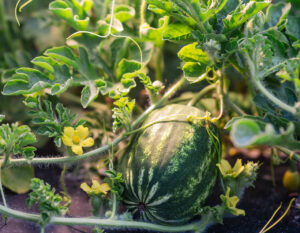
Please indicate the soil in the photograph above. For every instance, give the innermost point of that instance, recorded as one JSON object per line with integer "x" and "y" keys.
{"x": 259, "y": 203}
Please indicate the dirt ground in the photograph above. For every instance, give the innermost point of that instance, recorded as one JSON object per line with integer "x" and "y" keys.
{"x": 259, "y": 203}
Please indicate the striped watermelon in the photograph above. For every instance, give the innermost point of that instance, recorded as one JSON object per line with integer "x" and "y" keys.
{"x": 169, "y": 169}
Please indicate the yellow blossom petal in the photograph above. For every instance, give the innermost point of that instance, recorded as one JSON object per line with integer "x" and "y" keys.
{"x": 250, "y": 168}
{"x": 104, "y": 188}
{"x": 86, "y": 188}
{"x": 231, "y": 202}
{"x": 100, "y": 188}
{"x": 238, "y": 168}
{"x": 238, "y": 212}
{"x": 96, "y": 188}
{"x": 227, "y": 171}
{"x": 82, "y": 132}
{"x": 88, "y": 142}
{"x": 67, "y": 140}
{"x": 69, "y": 131}
{"x": 225, "y": 165}
{"x": 77, "y": 149}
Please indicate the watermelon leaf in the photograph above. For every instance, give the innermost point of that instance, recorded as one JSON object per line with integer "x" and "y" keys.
{"x": 177, "y": 32}
{"x": 48, "y": 202}
{"x": 248, "y": 133}
{"x": 14, "y": 140}
{"x": 195, "y": 72}
{"x": 276, "y": 15}
{"x": 75, "y": 13}
{"x": 122, "y": 113}
{"x": 57, "y": 65}
{"x": 51, "y": 118}
{"x": 242, "y": 13}
{"x": 191, "y": 53}
{"x": 124, "y": 13}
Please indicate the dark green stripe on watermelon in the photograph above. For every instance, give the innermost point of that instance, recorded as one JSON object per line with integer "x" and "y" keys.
{"x": 170, "y": 168}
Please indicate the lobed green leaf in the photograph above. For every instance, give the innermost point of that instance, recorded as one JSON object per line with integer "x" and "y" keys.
{"x": 242, "y": 13}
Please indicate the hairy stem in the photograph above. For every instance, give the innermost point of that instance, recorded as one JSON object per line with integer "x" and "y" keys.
{"x": 203, "y": 92}
{"x": 233, "y": 106}
{"x": 114, "y": 207}
{"x": 272, "y": 168}
{"x": 2, "y": 192}
{"x": 63, "y": 183}
{"x": 294, "y": 156}
{"x": 98, "y": 151}
{"x": 274, "y": 99}
{"x": 227, "y": 99}
{"x": 264, "y": 90}
{"x": 98, "y": 222}
{"x": 142, "y": 12}
{"x": 6, "y": 159}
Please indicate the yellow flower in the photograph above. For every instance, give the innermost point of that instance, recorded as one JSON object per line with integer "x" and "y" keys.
{"x": 96, "y": 188}
{"x": 250, "y": 168}
{"x": 228, "y": 171}
{"x": 77, "y": 138}
{"x": 230, "y": 203}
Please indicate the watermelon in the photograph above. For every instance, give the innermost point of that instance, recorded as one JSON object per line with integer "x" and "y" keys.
{"x": 169, "y": 168}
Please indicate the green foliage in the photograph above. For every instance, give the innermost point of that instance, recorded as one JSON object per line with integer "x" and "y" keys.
{"x": 14, "y": 140}
{"x": 122, "y": 113}
{"x": 73, "y": 11}
{"x": 249, "y": 133}
{"x": 114, "y": 44}
{"x": 57, "y": 65}
{"x": 263, "y": 46}
{"x": 242, "y": 13}
{"x": 190, "y": 53}
{"x": 127, "y": 69}
{"x": 124, "y": 13}
{"x": 49, "y": 203}
{"x": 116, "y": 183}
{"x": 51, "y": 118}
{"x": 177, "y": 32}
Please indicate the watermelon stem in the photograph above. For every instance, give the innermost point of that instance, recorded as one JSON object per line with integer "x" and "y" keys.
{"x": 203, "y": 92}
{"x": 114, "y": 207}
{"x": 2, "y": 192}
{"x": 220, "y": 96}
{"x": 109, "y": 223}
